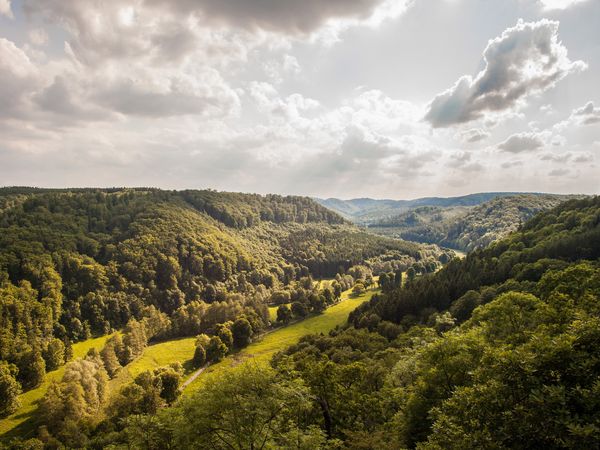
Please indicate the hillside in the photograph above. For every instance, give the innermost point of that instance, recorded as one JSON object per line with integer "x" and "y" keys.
{"x": 165, "y": 264}
{"x": 366, "y": 211}
{"x": 466, "y": 228}
{"x": 475, "y": 355}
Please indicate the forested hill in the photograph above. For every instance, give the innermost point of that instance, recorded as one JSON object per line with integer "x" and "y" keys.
{"x": 551, "y": 240}
{"x": 369, "y": 211}
{"x": 499, "y": 350}
{"x": 467, "y": 228}
{"x": 233, "y": 209}
{"x": 77, "y": 263}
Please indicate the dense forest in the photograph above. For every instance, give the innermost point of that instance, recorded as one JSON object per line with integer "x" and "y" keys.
{"x": 474, "y": 356}
{"x": 466, "y": 227}
{"x": 163, "y": 264}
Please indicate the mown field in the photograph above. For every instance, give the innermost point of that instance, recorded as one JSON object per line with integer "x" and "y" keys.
{"x": 23, "y": 421}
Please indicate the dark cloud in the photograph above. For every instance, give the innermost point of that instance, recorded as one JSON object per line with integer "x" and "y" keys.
{"x": 525, "y": 59}
{"x": 522, "y": 142}
{"x": 58, "y": 98}
{"x": 287, "y": 16}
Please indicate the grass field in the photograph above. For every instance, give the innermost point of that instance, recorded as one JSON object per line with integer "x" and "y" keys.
{"x": 261, "y": 351}
{"x": 23, "y": 422}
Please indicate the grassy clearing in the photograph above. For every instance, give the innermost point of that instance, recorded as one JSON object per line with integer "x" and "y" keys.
{"x": 261, "y": 351}
{"x": 155, "y": 356}
{"x": 23, "y": 422}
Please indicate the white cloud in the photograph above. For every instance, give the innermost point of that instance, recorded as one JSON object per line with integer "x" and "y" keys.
{"x": 559, "y": 4}
{"x": 18, "y": 76}
{"x": 522, "y": 142}
{"x": 5, "y": 9}
{"x": 587, "y": 115}
{"x": 473, "y": 135}
{"x": 524, "y": 60}
{"x": 38, "y": 37}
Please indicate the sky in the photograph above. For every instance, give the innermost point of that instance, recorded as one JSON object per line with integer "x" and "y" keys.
{"x": 330, "y": 98}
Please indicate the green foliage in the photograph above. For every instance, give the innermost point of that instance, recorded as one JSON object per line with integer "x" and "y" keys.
{"x": 82, "y": 263}
{"x": 467, "y": 228}
{"x": 249, "y": 407}
{"x": 9, "y": 389}
{"x": 284, "y": 314}
{"x": 242, "y": 332}
{"x": 199, "y": 358}
{"x": 72, "y": 405}
{"x": 216, "y": 349}
{"x": 54, "y": 355}
{"x": 565, "y": 234}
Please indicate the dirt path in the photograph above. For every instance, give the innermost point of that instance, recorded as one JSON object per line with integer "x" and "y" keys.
{"x": 195, "y": 375}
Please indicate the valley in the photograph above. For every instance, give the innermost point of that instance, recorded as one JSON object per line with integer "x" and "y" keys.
{"x": 150, "y": 319}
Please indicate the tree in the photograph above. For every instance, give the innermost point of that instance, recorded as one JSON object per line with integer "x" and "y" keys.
{"x": 317, "y": 303}
{"x": 54, "y": 355}
{"x": 169, "y": 379}
{"x": 109, "y": 358}
{"x": 216, "y": 349}
{"x": 247, "y": 408}
{"x": 199, "y": 358}
{"x": 242, "y": 332}
{"x": 337, "y": 289}
{"x": 9, "y": 389}
{"x": 358, "y": 289}
{"x": 32, "y": 369}
{"x": 299, "y": 309}
{"x": 284, "y": 314}
{"x": 225, "y": 334}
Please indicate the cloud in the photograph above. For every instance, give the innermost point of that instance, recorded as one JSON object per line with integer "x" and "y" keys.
{"x": 579, "y": 158}
{"x": 587, "y": 115}
{"x": 38, "y": 36}
{"x": 559, "y": 4}
{"x": 559, "y": 172}
{"x": 556, "y": 158}
{"x": 473, "y": 135}
{"x": 287, "y": 16}
{"x": 5, "y": 9}
{"x": 524, "y": 60}
{"x": 161, "y": 94}
{"x": 511, "y": 164}
{"x": 18, "y": 77}
{"x": 522, "y": 142}
{"x": 583, "y": 158}
{"x": 59, "y": 98}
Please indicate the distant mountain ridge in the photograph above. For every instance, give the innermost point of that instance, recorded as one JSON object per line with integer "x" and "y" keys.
{"x": 369, "y": 210}
{"x": 463, "y": 223}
